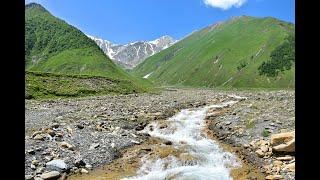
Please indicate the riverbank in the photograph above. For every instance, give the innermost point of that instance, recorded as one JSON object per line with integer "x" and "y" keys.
{"x": 88, "y": 133}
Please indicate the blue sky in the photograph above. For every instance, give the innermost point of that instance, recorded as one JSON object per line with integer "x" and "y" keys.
{"x": 123, "y": 21}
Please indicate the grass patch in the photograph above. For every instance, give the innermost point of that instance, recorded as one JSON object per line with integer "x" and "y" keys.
{"x": 265, "y": 133}
{"x": 49, "y": 85}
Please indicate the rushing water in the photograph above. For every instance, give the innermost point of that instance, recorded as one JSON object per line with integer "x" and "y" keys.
{"x": 185, "y": 131}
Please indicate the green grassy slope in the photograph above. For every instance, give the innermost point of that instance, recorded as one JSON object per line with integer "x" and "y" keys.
{"x": 212, "y": 57}
{"x": 50, "y": 85}
{"x": 53, "y": 46}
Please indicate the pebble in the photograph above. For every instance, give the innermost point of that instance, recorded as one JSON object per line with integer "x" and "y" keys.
{"x": 94, "y": 145}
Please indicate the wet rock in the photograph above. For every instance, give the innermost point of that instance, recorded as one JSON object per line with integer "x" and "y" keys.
{"x": 57, "y": 163}
{"x": 51, "y": 175}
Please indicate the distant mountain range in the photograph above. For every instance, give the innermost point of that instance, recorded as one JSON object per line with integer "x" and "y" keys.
{"x": 132, "y": 54}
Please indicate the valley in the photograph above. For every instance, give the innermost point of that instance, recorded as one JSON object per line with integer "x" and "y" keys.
{"x": 216, "y": 104}
{"x": 89, "y": 133}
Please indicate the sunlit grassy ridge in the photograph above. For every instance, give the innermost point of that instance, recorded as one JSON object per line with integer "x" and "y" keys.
{"x": 227, "y": 54}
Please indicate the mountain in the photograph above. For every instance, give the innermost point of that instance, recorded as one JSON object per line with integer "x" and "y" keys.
{"x": 243, "y": 51}
{"x": 53, "y": 46}
{"x": 130, "y": 55}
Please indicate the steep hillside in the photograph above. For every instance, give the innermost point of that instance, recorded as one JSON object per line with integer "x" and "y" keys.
{"x": 52, "y": 45}
{"x": 226, "y": 54}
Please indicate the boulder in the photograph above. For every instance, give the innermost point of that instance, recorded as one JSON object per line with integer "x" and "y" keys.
{"x": 281, "y": 138}
{"x": 287, "y": 147}
{"x": 57, "y": 163}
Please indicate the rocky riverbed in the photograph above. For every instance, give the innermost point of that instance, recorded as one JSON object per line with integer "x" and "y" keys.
{"x": 64, "y": 137}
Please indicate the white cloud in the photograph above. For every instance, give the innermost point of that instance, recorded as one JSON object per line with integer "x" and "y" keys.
{"x": 224, "y": 4}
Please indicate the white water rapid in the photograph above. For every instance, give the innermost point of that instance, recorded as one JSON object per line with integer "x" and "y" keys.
{"x": 209, "y": 162}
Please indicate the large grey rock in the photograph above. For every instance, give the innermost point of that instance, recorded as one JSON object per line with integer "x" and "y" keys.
{"x": 57, "y": 163}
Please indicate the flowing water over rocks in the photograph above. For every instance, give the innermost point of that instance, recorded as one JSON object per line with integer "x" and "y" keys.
{"x": 111, "y": 134}
{"x": 185, "y": 131}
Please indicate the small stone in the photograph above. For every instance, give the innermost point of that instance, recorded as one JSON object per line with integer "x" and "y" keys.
{"x": 277, "y": 163}
{"x": 227, "y": 123}
{"x": 66, "y": 145}
{"x": 80, "y": 126}
{"x": 36, "y": 133}
{"x": 274, "y": 177}
{"x": 264, "y": 148}
{"x": 40, "y": 170}
{"x": 39, "y": 137}
{"x": 48, "y": 158}
{"x": 32, "y": 166}
{"x": 135, "y": 142}
{"x": 55, "y": 125}
{"x": 28, "y": 177}
{"x": 79, "y": 163}
{"x": 50, "y": 175}
{"x": 31, "y": 151}
{"x": 69, "y": 129}
{"x": 260, "y": 153}
{"x": 284, "y": 158}
{"x": 291, "y": 167}
{"x": 168, "y": 143}
{"x": 35, "y": 162}
{"x": 94, "y": 145}
{"x": 57, "y": 163}
{"x": 112, "y": 145}
{"x": 88, "y": 166}
{"x": 50, "y": 132}
{"x": 84, "y": 171}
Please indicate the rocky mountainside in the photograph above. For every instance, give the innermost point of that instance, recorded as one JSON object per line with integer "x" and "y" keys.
{"x": 130, "y": 55}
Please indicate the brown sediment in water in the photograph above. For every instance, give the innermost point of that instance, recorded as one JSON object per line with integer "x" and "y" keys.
{"x": 130, "y": 161}
{"x": 246, "y": 170}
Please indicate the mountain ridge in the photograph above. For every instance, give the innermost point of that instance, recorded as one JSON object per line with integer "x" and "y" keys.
{"x": 131, "y": 54}
{"x": 224, "y": 54}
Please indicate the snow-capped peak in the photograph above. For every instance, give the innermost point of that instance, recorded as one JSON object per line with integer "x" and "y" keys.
{"x": 133, "y": 53}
